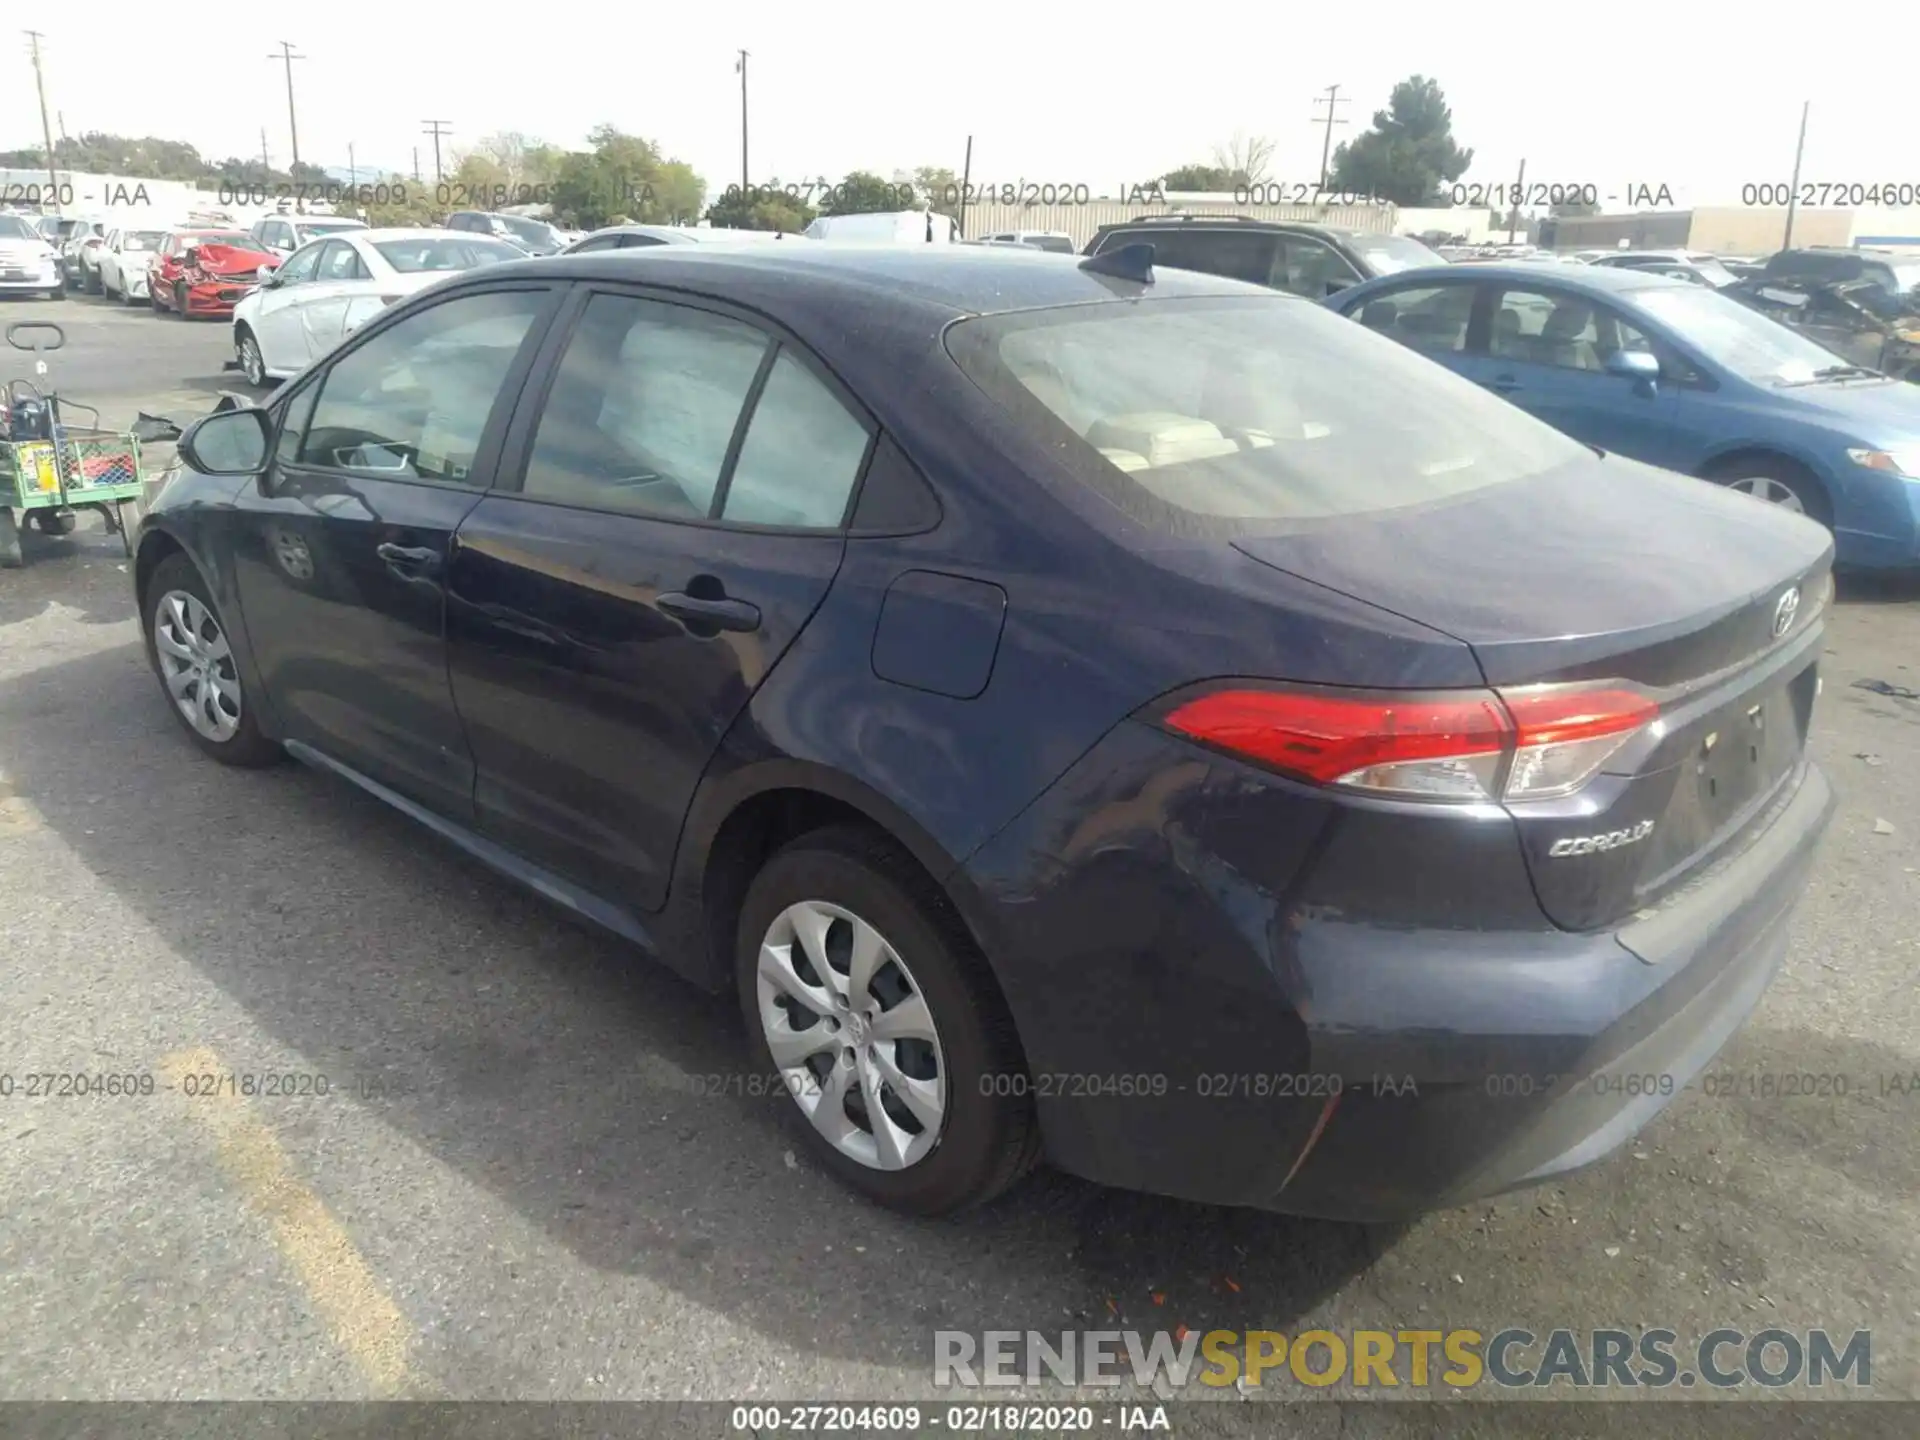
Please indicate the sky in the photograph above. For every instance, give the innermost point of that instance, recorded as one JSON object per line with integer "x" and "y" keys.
{"x": 1690, "y": 97}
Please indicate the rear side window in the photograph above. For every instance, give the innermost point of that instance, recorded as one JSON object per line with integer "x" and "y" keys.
{"x": 1231, "y": 254}
{"x": 1235, "y": 411}
{"x": 801, "y": 455}
{"x": 1427, "y": 317}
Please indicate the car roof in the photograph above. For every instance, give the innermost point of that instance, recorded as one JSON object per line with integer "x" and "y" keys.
{"x": 1595, "y": 279}
{"x": 1187, "y": 219}
{"x": 806, "y": 283}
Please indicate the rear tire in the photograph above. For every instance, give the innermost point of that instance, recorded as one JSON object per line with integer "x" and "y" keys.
{"x": 1776, "y": 480}
{"x": 983, "y": 1141}
{"x": 11, "y": 556}
{"x": 236, "y": 738}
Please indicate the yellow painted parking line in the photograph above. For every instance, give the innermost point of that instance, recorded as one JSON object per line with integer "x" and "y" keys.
{"x": 337, "y": 1278}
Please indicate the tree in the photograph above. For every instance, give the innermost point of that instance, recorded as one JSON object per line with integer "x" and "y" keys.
{"x": 1202, "y": 179}
{"x": 1409, "y": 156}
{"x": 1241, "y": 162}
{"x": 1573, "y": 207}
{"x": 408, "y": 203}
{"x": 862, "y": 193}
{"x": 624, "y": 175}
{"x": 734, "y": 211}
{"x": 521, "y": 164}
{"x": 939, "y": 189}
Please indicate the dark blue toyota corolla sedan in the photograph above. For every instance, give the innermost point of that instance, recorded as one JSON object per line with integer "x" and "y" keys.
{"x": 1123, "y": 716}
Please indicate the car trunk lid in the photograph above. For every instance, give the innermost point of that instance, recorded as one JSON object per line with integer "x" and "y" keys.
{"x": 1714, "y": 612}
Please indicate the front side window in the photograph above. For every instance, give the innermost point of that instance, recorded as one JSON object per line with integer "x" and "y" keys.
{"x": 412, "y": 402}
{"x": 1566, "y": 331}
{"x": 301, "y": 266}
{"x": 338, "y": 261}
{"x": 644, "y": 407}
{"x": 1427, "y": 317}
{"x": 1311, "y": 268}
{"x": 1242, "y": 412}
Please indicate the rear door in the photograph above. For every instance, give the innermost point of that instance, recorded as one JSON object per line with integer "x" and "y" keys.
{"x": 1547, "y": 352}
{"x": 671, "y": 516}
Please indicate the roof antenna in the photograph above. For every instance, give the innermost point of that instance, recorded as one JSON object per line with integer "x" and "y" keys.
{"x": 1129, "y": 262}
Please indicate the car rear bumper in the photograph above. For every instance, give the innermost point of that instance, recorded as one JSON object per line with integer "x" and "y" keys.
{"x": 1199, "y": 1027}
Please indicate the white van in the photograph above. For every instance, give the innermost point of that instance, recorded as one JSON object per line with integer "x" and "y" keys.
{"x": 892, "y": 227}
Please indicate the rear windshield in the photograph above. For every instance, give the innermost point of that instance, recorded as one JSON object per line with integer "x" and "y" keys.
{"x": 1249, "y": 409}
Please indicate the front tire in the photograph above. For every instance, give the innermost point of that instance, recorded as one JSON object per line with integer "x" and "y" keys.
{"x": 865, "y": 996}
{"x": 253, "y": 364}
{"x": 12, "y": 557}
{"x": 188, "y": 648}
{"x": 1778, "y": 481}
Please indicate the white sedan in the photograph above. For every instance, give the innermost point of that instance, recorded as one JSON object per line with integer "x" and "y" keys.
{"x": 337, "y": 282}
{"x": 122, "y": 261}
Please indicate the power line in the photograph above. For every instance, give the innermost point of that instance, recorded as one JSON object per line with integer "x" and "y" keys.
{"x": 435, "y": 128}
{"x": 1333, "y": 102}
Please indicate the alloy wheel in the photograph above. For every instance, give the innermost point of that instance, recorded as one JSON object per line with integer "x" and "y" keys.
{"x": 850, "y": 1030}
{"x": 252, "y": 364}
{"x": 1765, "y": 487}
{"x": 196, "y": 665}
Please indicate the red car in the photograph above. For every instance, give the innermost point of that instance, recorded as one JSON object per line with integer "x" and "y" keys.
{"x": 203, "y": 272}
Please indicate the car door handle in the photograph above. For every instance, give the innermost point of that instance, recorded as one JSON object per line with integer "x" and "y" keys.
{"x": 721, "y": 614}
{"x": 417, "y": 558}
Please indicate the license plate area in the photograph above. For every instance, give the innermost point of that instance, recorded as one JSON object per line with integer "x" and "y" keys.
{"x": 1736, "y": 761}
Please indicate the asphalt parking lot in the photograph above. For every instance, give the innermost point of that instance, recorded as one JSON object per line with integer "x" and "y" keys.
{"x": 519, "y": 1185}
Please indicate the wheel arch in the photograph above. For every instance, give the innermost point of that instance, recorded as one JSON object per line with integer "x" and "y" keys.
{"x": 1726, "y": 464}
{"x": 741, "y": 819}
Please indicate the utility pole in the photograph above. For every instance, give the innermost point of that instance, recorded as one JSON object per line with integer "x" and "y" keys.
{"x": 435, "y": 128}
{"x": 966, "y": 178}
{"x": 265, "y": 159}
{"x": 287, "y": 57}
{"x": 1333, "y": 102}
{"x": 46, "y": 130}
{"x": 353, "y": 173}
{"x": 740, "y": 67}
{"x": 416, "y": 165}
{"x": 1513, "y": 213}
{"x": 1793, "y": 191}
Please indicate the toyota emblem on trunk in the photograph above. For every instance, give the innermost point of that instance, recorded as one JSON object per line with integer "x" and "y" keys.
{"x": 1784, "y": 612}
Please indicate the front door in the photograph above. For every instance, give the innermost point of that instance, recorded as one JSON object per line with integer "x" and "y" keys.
{"x": 276, "y": 323}
{"x": 1546, "y": 350}
{"x": 336, "y": 281}
{"x": 679, "y": 517}
{"x": 343, "y": 548}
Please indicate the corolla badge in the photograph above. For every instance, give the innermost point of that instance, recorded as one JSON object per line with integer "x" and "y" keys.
{"x": 1611, "y": 840}
{"x": 1784, "y": 611}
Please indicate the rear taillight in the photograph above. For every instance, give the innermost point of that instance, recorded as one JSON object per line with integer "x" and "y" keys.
{"x": 1466, "y": 746}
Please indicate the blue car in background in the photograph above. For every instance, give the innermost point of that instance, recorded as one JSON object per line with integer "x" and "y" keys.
{"x": 1679, "y": 376}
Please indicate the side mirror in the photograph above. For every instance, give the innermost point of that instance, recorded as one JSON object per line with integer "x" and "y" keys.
{"x": 267, "y": 275}
{"x": 229, "y": 442}
{"x": 1634, "y": 365}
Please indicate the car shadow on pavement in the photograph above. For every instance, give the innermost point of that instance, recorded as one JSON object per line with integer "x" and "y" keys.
{"x": 85, "y": 571}
{"x": 592, "y": 1092}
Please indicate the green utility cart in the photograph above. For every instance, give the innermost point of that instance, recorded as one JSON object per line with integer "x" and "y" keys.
{"x": 50, "y": 470}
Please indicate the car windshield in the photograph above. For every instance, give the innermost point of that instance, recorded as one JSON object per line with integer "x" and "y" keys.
{"x": 218, "y": 237}
{"x": 311, "y": 230}
{"x": 1730, "y": 334}
{"x": 1249, "y": 410}
{"x": 444, "y": 252}
{"x": 1386, "y": 254}
{"x": 142, "y": 239}
{"x": 12, "y": 227}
